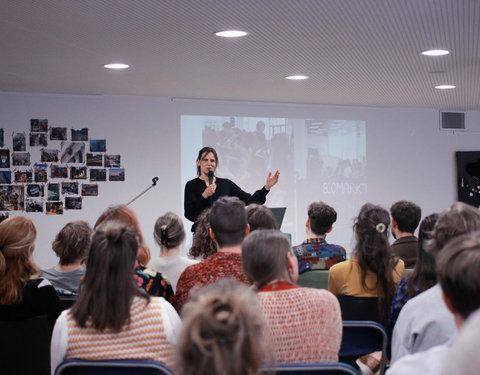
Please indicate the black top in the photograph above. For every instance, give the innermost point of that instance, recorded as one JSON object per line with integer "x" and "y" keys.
{"x": 195, "y": 203}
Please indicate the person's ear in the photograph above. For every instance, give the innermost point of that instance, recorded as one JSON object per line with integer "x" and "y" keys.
{"x": 211, "y": 234}
{"x": 307, "y": 224}
{"x": 328, "y": 231}
{"x": 247, "y": 230}
{"x": 394, "y": 223}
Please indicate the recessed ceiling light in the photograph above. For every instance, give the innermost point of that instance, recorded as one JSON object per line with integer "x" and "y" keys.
{"x": 231, "y": 33}
{"x": 445, "y": 87}
{"x": 116, "y": 66}
{"x": 297, "y": 77}
{"x": 435, "y": 52}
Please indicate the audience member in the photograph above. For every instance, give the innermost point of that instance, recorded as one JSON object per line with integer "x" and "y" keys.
{"x": 405, "y": 218}
{"x": 228, "y": 227}
{"x": 169, "y": 234}
{"x": 315, "y": 252}
{"x": 305, "y": 324}
{"x": 260, "y": 217}
{"x": 112, "y": 318}
{"x": 425, "y": 321}
{"x": 71, "y": 246}
{"x": 202, "y": 245}
{"x": 22, "y": 293}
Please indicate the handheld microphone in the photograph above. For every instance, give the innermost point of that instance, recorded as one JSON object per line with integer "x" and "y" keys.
{"x": 210, "y": 177}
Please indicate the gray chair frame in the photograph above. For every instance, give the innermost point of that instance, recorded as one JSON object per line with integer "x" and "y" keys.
{"x": 112, "y": 367}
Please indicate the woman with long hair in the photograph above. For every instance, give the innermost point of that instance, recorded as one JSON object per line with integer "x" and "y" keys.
{"x": 203, "y": 245}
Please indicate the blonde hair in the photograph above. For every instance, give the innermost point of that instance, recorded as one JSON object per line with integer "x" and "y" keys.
{"x": 17, "y": 238}
{"x": 168, "y": 231}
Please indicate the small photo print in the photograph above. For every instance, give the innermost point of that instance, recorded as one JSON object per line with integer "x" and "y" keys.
{"x": 38, "y": 139}
{"x": 54, "y": 208}
{"x": 94, "y": 160}
{"x": 5, "y": 177}
{"x": 40, "y": 171}
{"x": 48, "y": 155}
{"x": 4, "y": 216}
{"x": 21, "y": 158}
{"x": 24, "y": 177}
{"x": 4, "y": 158}
{"x": 58, "y": 171}
{"x": 72, "y": 152}
{"x": 78, "y": 173}
{"x": 34, "y": 205}
{"x": 70, "y": 188}
{"x": 38, "y": 125}
{"x": 89, "y": 190}
{"x": 53, "y": 192}
{"x": 73, "y": 203}
{"x": 2, "y": 140}
{"x": 98, "y": 175}
{"x": 116, "y": 174}
{"x": 98, "y": 145}
{"x": 112, "y": 161}
{"x": 19, "y": 143}
{"x": 11, "y": 198}
{"x": 35, "y": 190}
{"x": 79, "y": 135}
{"x": 58, "y": 134}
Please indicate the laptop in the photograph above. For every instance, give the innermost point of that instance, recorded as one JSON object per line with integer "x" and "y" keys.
{"x": 279, "y": 213}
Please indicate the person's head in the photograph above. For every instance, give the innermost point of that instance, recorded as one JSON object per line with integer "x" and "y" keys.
{"x": 458, "y": 266}
{"x": 203, "y": 245}
{"x": 260, "y": 217}
{"x": 71, "y": 244}
{"x": 108, "y": 288}
{"x": 207, "y": 160}
{"x": 228, "y": 221}
{"x": 268, "y": 256}
{"x": 405, "y": 216}
{"x": 222, "y": 332}
{"x": 17, "y": 241}
{"x": 457, "y": 219}
{"x": 125, "y": 215}
{"x": 321, "y": 218}
{"x": 169, "y": 232}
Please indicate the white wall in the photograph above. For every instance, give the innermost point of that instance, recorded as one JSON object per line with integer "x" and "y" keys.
{"x": 408, "y": 157}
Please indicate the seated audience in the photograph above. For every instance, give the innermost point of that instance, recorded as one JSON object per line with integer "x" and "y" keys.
{"x": 202, "y": 245}
{"x": 147, "y": 279}
{"x": 23, "y": 294}
{"x": 169, "y": 234}
{"x": 458, "y": 265}
{"x": 112, "y": 318}
{"x": 425, "y": 321}
{"x": 305, "y": 324}
{"x": 71, "y": 246}
{"x": 405, "y": 218}
{"x": 260, "y": 217}
{"x": 228, "y": 227}
{"x": 315, "y": 252}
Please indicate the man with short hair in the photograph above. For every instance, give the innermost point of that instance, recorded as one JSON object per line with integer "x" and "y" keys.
{"x": 315, "y": 252}
{"x": 405, "y": 218}
{"x": 228, "y": 228}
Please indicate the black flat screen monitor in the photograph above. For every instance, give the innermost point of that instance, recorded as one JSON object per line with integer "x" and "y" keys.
{"x": 279, "y": 213}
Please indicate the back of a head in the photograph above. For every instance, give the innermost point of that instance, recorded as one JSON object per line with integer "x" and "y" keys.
{"x": 321, "y": 217}
{"x": 71, "y": 244}
{"x": 202, "y": 245}
{"x": 260, "y": 217}
{"x": 228, "y": 221}
{"x": 407, "y": 215}
{"x": 222, "y": 332}
{"x": 264, "y": 257}
{"x": 169, "y": 231}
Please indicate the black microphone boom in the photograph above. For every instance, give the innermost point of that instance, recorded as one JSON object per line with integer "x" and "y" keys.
{"x": 154, "y": 183}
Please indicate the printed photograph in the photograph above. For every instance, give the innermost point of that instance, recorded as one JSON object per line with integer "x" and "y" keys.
{"x": 34, "y": 205}
{"x": 40, "y": 171}
{"x": 48, "y": 155}
{"x": 58, "y": 134}
{"x": 98, "y": 145}
{"x": 11, "y": 198}
{"x": 19, "y": 143}
{"x": 58, "y": 171}
{"x": 38, "y": 139}
{"x": 72, "y": 152}
{"x": 98, "y": 175}
{"x": 78, "y": 173}
{"x": 73, "y": 203}
{"x": 116, "y": 174}
{"x": 89, "y": 190}
{"x": 38, "y": 125}
{"x": 94, "y": 160}
{"x": 54, "y": 208}
{"x": 24, "y": 177}
{"x": 80, "y": 135}
{"x": 70, "y": 188}
{"x": 2, "y": 140}
{"x": 5, "y": 177}
{"x": 35, "y": 190}
{"x": 4, "y": 158}
{"x": 4, "y": 216}
{"x": 53, "y": 192}
{"x": 112, "y": 161}
{"x": 21, "y": 158}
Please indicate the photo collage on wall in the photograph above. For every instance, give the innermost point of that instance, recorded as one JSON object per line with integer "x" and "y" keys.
{"x": 52, "y": 169}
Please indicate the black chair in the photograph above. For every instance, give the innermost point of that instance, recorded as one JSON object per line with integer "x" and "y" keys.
{"x": 362, "y": 308}
{"x": 112, "y": 367}
{"x": 67, "y": 300}
{"x": 25, "y": 346}
{"x": 336, "y": 368}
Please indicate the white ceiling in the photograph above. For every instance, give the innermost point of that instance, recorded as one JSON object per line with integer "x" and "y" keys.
{"x": 356, "y": 52}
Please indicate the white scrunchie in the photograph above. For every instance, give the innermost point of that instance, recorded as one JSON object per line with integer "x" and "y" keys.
{"x": 380, "y": 227}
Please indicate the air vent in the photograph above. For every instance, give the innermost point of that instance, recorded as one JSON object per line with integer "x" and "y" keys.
{"x": 452, "y": 120}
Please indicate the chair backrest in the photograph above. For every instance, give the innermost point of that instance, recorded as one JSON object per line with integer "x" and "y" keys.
{"x": 363, "y": 337}
{"x": 25, "y": 346}
{"x": 336, "y": 368}
{"x": 112, "y": 367}
{"x": 314, "y": 279}
{"x": 67, "y": 301}
{"x": 361, "y": 308}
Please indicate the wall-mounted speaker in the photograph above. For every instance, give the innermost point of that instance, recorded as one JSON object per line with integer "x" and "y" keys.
{"x": 452, "y": 120}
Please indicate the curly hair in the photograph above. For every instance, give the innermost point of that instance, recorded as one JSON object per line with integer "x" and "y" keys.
{"x": 321, "y": 217}
{"x": 202, "y": 246}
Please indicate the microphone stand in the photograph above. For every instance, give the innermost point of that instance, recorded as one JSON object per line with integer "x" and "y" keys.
{"x": 154, "y": 182}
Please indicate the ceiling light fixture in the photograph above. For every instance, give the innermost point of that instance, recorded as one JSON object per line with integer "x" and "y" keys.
{"x": 231, "y": 33}
{"x": 445, "y": 87}
{"x": 435, "y": 52}
{"x": 116, "y": 66}
{"x": 297, "y": 77}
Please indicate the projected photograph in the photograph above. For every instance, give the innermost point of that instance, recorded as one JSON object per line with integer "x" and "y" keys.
{"x": 80, "y": 134}
{"x": 40, "y": 172}
{"x": 11, "y": 198}
{"x": 4, "y": 158}
{"x": 19, "y": 143}
{"x": 38, "y": 125}
{"x": 72, "y": 152}
{"x": 34, "y": 205}
{"x": 58, "y": 134}
{"x": 38, "y": 139}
